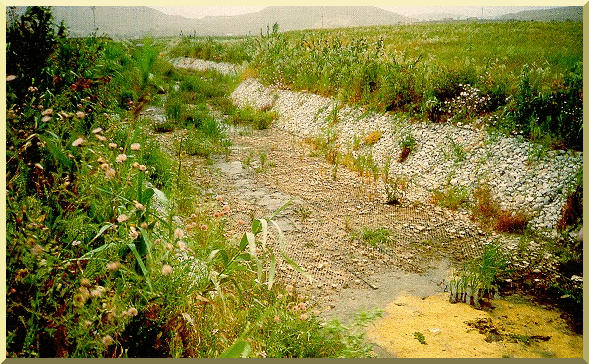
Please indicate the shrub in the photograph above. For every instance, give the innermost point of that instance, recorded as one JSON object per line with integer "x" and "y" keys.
{"x": 511, "y": 222}
{"x": 572, "y": 211}
{"x": 30, "y": 40}
{"x": 487, "y": 211}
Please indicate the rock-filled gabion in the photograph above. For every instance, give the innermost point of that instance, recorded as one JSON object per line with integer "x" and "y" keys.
{"x": 445, "y": 155}
{"x": 203, "y": 65}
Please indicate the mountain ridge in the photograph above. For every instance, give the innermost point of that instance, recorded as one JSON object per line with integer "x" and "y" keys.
{"x": 138, "y": 22}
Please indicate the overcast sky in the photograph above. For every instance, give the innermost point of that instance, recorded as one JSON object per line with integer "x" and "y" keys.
{"x": 412, "y": 11}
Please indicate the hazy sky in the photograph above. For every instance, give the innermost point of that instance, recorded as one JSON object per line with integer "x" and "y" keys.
{"x": 412, "y": 11}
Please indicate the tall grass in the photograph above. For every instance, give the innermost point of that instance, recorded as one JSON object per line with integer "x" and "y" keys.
{"x": 232, "y": 50}
{"x": 520, "y": 77}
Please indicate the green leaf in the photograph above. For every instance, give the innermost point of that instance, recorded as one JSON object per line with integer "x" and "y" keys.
{"x": 146, "y": 196}
{"x": 218, "y": 252}
{"x": 140, "y": 188}
{"x": 272, "y": 271}
{"x": 100, "y": 232}
{"x": 279, "y": 210}
{"x": 280, "y": 234}
{"x": 92, "y": 252}
{"x": 140, "y": 262}
{"x": 146, "y": 241}
{"x": 56, "y": 152}
{"x": 239, "y": 349}
{"x": 256, "y": 226}
{"x": 243, "y": 242}
{"x": 160, "y": 196}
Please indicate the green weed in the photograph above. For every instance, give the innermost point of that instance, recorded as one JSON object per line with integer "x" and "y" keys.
{"x": 452, "y": 198}
{"x": 258, "y": 120}
{"x": 419, "y": 337}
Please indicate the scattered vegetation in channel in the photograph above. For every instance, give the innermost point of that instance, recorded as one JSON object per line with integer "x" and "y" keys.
{"x": 477, "y": 278}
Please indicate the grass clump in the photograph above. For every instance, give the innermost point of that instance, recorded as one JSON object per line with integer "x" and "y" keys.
{"x": 374, "y": 237}
{"x": 258, "y": 120}
{"x": 373, "y": 137}
{"x": 452, "y": 197}
{"x": 407, "y": 144}
{"x": 476, "y": 279}
{"x": 229, "y": 49}
{"x": 419, "y": 337}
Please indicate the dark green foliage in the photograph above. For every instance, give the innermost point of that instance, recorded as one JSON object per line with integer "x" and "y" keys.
{"x": 29, "y": 42}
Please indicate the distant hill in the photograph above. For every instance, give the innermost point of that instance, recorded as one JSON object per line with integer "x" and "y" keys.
{"x": 573, "y": 13}
{"x": 433, "y": 16}
{"x": 137, "y": 22}
{"x": 306, "y": 17}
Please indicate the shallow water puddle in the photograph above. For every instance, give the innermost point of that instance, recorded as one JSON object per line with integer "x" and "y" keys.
{"x": 515, "y": 328}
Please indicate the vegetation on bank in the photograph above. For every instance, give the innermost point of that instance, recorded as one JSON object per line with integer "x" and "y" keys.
{"x": 111, "y": 250}
{"x": 523, "y": 78}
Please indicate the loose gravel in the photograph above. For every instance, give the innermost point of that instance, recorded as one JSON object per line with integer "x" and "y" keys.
{"x": 203, "y": 65}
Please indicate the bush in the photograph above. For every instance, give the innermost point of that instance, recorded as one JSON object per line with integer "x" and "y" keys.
{"x": 30, "y": 41}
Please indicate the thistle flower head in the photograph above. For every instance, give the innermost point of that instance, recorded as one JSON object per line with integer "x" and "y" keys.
{"x": 113, "y": 266}
{"x": 178, "y": 233}
{"x": 107, "y": 340}
{"x": 121, "y": 158}
{"x": 167, "y": 269}
{"x": 78, "y": 142}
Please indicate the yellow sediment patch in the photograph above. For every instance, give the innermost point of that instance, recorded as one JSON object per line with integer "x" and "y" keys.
{"x": 447, "y": 335}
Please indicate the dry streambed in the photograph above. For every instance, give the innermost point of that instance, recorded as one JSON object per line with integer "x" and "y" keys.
{"x": 445, "y": 155}
{"x": 348, "y": 275}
